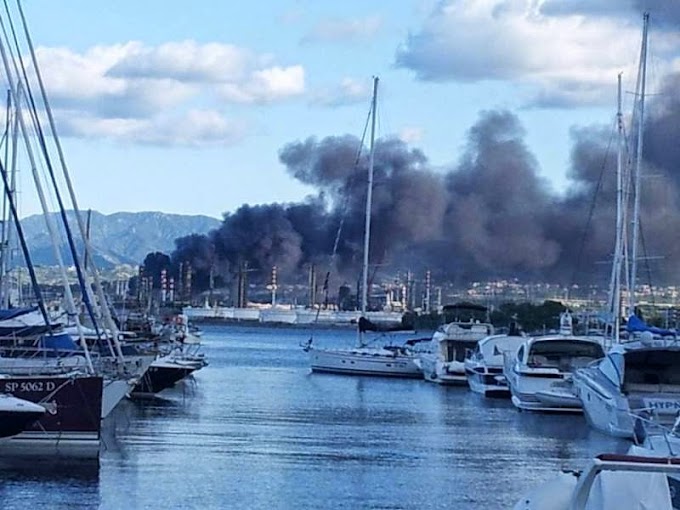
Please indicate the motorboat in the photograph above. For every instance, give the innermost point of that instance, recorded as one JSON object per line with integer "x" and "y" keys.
{"x": 539, "y": 374}
{"x": 484, "y": 365}
{"x": 635, "y": 378}
{"x": 17, "y": 414}
{"x": 443, "y": 361}
{"x": 611, "y": 482}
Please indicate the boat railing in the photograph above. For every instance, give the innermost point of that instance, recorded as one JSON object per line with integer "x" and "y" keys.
{"x": 647, "y": 423}
{"x": 35, "y": 360}
{"x": 611, "y": 462}
{"x": 38, "y": 366}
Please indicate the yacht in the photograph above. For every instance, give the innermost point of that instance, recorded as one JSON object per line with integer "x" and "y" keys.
{"x": 443, "y": 361}
{"x": 539, "y": 373}
{"x": 484, "y": 365}
{"x": 634, "y": 378}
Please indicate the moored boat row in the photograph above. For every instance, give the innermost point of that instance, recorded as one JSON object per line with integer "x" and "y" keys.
{"x": 52, "y": 405}
{"x": 622, "y": 390}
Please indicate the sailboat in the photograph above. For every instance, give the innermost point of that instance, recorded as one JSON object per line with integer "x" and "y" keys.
{"x": 363, "y": 359}
{"x": 638, "y": 380}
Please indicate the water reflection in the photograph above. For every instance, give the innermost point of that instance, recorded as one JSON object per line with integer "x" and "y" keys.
{"x": 256, "y": 430}
{"x": 49, "y": 483}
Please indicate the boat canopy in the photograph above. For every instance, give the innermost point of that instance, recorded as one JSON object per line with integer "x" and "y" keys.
{"x": 58, "y": 342}
{"x": 12, "y": 313}
{"x": 637, "y": 325}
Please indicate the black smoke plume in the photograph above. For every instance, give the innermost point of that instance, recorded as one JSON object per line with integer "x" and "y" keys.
{"x": 491, "y": 215}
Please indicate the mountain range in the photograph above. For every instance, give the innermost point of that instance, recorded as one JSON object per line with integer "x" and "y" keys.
{"x": 118, "y": 238}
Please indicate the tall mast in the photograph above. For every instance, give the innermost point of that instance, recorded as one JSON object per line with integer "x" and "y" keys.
{"x": 4, "y": 245}
{"x": 615, "y": 287}
{"x": 103, "y": 303}
{"x": 70, "y": 302}
{"x": 642, "y": 77}
{"x": 369, "y": 198}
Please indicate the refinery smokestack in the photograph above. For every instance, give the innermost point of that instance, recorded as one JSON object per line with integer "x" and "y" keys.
{"x": 312, "y": 286}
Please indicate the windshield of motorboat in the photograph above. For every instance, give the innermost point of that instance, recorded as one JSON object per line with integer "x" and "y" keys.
{"x": 653, "y": 369}
{"x": 612, "y": 367}
{"x": 566, "y": 355}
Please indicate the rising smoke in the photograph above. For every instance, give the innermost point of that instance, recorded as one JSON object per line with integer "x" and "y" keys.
{"x": 489, "y": 216}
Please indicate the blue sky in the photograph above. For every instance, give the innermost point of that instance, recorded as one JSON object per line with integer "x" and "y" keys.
{"x": 183, "y": 107}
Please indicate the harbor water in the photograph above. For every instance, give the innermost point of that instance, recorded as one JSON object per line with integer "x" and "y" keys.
{"x": 256, "y": 430}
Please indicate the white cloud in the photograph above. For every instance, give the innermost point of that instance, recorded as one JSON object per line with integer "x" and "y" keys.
{"x": 349, "y": 91}
{"x": 191, "y": 128}
{"x": 411, "y": 134}
{"x": 562, "y": 59}
{"x": 267, "y": 85}
{"x": 126, "y": 88}
{"x": 188, "y": 61}
{"x": 343, "y": 30}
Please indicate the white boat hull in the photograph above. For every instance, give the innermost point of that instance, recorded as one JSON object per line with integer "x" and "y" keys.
{"x": 363, "y": 362}
{"x": 447, "y": 373}
{"x": 603, "y": 413}
{"x": 488, "y": 384}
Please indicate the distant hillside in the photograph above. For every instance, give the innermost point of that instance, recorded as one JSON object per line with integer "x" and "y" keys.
{"x": 119, "y": 238}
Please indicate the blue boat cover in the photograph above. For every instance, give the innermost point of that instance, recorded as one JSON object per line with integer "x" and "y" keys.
{"x": 58, "y": 341}
{"x": 636, "y": 324}
{"x": 11, "y": 313}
